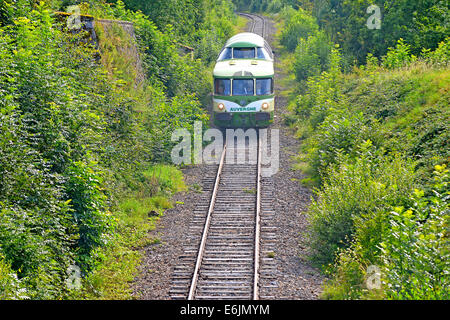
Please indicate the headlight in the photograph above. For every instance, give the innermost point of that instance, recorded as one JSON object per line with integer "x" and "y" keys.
{"x": 265, "y": 106}
{"x": 221, "y": 106}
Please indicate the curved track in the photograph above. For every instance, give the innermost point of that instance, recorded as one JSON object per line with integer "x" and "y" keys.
{"x": 258, "y": 23}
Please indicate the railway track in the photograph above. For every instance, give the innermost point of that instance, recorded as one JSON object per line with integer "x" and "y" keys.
{"x": 258, "y": 23}
{"x": 229, "y": 254}
{"x": 229, "y": 251}
{"x": 228, "y": 261}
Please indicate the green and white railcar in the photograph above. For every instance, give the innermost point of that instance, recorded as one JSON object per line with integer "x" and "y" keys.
{"x": 244, "y": 83}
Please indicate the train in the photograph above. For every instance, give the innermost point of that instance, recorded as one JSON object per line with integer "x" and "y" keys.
{"x": 243, "y": 75}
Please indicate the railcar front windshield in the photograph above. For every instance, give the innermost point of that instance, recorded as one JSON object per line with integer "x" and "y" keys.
{"x": 243, "y": 87}
{"x": 226, "y": 54}
{"x": 264, "y": 87}
{"x": 244, "y": 53}
{"x": 262, "y": 54}
{"x": 222, "y": 87}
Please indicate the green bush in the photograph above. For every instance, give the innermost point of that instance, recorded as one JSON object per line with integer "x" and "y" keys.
{"x": 298, "y": 24}
{"x": 346, "y": 277}
{"x": 415, "y": 246}
{"x": 358, "y": 128}
{"x": 340, "y": 133}
{"x": 162, "y": 29}
{"x": 312, "y": 56}
{"x": 408, "y": 246}
{"x": 163, "y": 63}
{"x": 399, "y": 56}
{"x": 353, "y": 191}
{"x": 322, "y": 93}
{"x": 36, "y": 231}
{"x": 87, "y": 201}
{"x": 10, "y": 286}
{"x": 440, "y": 56}
{"x": 78, "y": 137}
{"x": 216, "y": 28}
{"x": 273, "y": 6}
{"x": 166, "y": 177}
{"x": 423, "y": 24}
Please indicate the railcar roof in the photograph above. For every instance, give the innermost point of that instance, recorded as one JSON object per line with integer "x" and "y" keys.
{"x": 244, "y": 68}
{"x": 246, "y": 39}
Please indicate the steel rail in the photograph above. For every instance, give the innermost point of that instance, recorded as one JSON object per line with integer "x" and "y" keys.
{"x": 263, "y": 21}
{"x": 252, "y": 29}
{"x": 206, "y": 228}
{"x": 250, "y": 17}
{"x": 264, "y": 26}
{"x": 257, "y": 225}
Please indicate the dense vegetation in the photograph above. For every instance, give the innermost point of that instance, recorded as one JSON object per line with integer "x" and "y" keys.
{"x": 85, "y": 138}
{"x": 422, "y": 24}
{"x": 85, "y": 134}
{"x": 374, "y": 143}
{"x": 263, "y": 5}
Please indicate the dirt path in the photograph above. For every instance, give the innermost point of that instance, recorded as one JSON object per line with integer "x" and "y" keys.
{"x": 295, "y": 279}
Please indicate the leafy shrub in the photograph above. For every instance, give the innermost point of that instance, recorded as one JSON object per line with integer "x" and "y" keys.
{"x": 168, "y": 178}
{"x": 35, "y": 222}
{"x": 275, "y": 6}
{"x": 312, "y": 56}
{"x": 78, "y": 137}
{"x": 409, "y": 247}
{"x": 10, "y": 286}
{"x": 162, "y": 62}
{"x": 358, "y": 129}
{"x": 181, "y": 112}
{"x": 205, "y": 26}
{"x": 347, "y": 277}
{"x": 340, "y": 133}
{"x": 353, "y": 191}
{"x": 87, "y": 201}
{"x": 216, "y": 28}
{"x": 298, "y": 24}
{"x": 322, "y": 93}
{"x": 399, "y": 56}
{"x": 441, "y": 56}
{"x": 423, "y": 24}
{"x": 260, "y": 5}
{"x": 415, "y": 246}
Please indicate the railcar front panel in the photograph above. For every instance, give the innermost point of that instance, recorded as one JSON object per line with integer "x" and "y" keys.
{"x": 243, "y": 83}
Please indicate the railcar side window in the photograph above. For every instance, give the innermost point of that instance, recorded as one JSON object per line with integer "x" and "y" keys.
{"x": 262, "y": 54}
{"x": 264, "y": 87}
{"x": 268, "y": 49}
{"x": 222, "y": 87}
{"x": 225, "y": 54}
{"x": 243, "y": 87}
{"x": 244, "y": 53}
